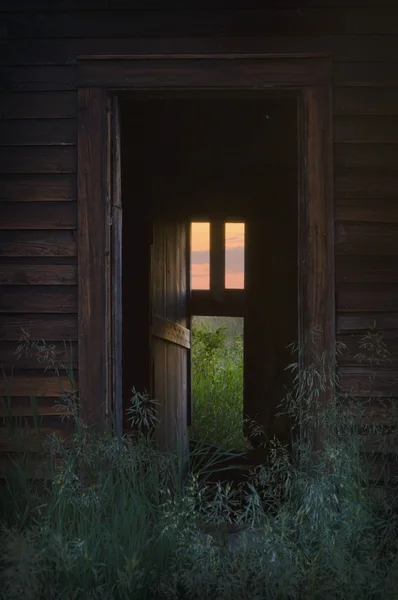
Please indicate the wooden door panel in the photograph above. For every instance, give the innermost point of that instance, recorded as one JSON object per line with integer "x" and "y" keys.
{"x": 170, "y": 334}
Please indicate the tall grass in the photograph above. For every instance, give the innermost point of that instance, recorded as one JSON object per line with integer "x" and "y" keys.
{"x": 310, "y": 525}
{"x": 217, "y": 383}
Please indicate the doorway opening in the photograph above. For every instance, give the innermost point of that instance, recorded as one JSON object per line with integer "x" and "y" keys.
{"x": 217, "y": 259}
{"x": 217, "y": 382}
{"x": 222, "y": 164}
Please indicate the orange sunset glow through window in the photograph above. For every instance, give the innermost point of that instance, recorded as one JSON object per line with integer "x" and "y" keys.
{"x": 200, "y": 256}
{"x": 234, "y": 256}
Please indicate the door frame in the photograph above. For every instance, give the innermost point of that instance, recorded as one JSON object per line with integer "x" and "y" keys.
{"x": 99, "y": 79}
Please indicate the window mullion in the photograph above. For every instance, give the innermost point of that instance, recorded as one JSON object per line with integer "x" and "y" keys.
{"x": 217, "y": 259}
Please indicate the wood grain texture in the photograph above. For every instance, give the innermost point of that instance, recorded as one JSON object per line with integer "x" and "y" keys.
{"x": 37, "y": 243}
{"x": 232, "y": 304}
{"x": 93, "y": 221}
{"x": 358, "y": 297}
{"x": 363, "y": 182}
{"x": 316, "y": 226}
{"x": 38, "y": 299}
{"x": 50, "y": 327}
{"x": 367, "y": 74}
{"x": 169, "y": 360}
{"x": 367, "y": 239}
{"x": 366, "y": 101}
{"x": 38, "y": 187}
{"x": 362, "y": 322}
{"x": 346, "y": 47}
{"x": 369, "y": 129}
{"x": 240, "y": 72}
{"x": 61, "y": 5}
{"x": 38, "y": 105}
{"x": 285, "y": 21}
{"x": 19, "y": 406}
{"x": 32, "y": 359}
{"x": 382, "y": 156}
{"x": 366, "y": 269}
{"x": 38, "y": 132}
{"x": 38, "y": 215}
{"x": 28, "y": 385}
{"x": 352, "y": 353}
{"x": 37, "y": 78}
{"x": 22, "y": 274}
{"x": 367, "y": 210}
{"x": 364, "y": 382}
{"x": 171, "y": 332}
{"x": 37, "y": 159}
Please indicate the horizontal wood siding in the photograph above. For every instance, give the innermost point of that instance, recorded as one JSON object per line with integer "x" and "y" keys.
{"x": 39, "y": 43}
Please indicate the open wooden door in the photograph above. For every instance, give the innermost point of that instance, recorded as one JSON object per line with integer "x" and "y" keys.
{"x": 171, "y": 338}
{"x": 114, "y": 320}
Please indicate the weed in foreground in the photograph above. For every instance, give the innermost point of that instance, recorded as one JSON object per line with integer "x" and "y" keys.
{"x": 311, "y": 525}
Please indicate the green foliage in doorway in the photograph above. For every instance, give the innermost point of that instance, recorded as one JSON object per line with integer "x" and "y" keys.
{"x": 217, "y": 382}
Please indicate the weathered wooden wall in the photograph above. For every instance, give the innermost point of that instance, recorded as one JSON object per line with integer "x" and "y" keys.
{"x": 39, "y": 43}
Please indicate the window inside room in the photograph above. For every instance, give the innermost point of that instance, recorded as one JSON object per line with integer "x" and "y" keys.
{"x": 235, "y": 256}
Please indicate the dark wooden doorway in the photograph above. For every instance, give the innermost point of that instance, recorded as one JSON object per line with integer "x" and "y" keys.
{"x": 100, "y": 77}
{"x": 215, "y": 156}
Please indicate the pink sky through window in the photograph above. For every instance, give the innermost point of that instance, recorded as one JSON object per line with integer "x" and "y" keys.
{"x": 234, "y": 256}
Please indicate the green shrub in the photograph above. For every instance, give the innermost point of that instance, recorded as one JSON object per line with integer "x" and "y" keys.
{"x": 217, "y": 386}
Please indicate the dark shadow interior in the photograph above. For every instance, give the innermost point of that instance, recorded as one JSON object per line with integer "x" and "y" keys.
{"x": 211, "y": 156}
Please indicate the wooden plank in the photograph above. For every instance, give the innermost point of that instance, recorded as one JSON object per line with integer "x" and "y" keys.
{"x": 38, "y": 105}
{"x": 367, "y": 129}
{"x": 362, "y": 382}
{"x": 38, "y": 187}
{"x": 285, "y": 21}
{"x": 92, "y": 236}
{"x": 353, "y": 342}
{"x": 369, "y": 74}
{"x": 77, "y": 5}
{"x": 372, "y": 269}
{"x": 366, "y": 101}
{"x": 33, "y": 385}
{"x": 373, "y": 211}
{"x": 38, "y": 132}
{"x": 65, "y": 353}
{"x": 38, "y": 299}
{"x": 201, "y": 303}
{"x": 357, "y": 297}
{"x": 116, "y": 268}
{"x": 362, "y": 322}
{"x": 50, "y": 327}
{"x": 37, "y": 78}
{"x": 384, "y": 156}
{"x": 203, "y": 71}
{"x": 21, "y": 274}
{"x": 38, "y": 215}
{"x": 30, "y": 439}
{"x": 37, "y": 243}
{"x": 38, "y": 159}
{"x": 20, "y": 406}
{"x": 366, "y": 239}
{"x": 217, "y": 259}
{"x": 64, "y": 51}
{"x": 362, "y": 182}
{"x": 316, "y": 224}
{"x": 170, "y": 331}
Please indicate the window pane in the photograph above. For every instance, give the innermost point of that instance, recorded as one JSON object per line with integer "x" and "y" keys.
{"x": 200, "y": 256}
{"x": 234, "y": 255}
